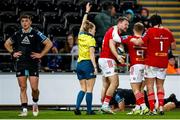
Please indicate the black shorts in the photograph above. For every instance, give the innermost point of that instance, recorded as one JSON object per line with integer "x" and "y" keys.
{"x": 27, "y": 70}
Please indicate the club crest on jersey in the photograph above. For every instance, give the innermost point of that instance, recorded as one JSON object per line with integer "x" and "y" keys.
{"x": 25, "y": 41}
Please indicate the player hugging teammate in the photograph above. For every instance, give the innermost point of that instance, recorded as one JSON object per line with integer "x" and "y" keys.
{"x": 148, "y": 59}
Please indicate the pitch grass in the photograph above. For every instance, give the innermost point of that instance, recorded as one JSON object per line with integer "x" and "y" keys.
{"x": 52, "y": 114}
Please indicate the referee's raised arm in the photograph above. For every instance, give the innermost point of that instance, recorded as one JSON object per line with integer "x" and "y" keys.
{"x": 88, "y": 8}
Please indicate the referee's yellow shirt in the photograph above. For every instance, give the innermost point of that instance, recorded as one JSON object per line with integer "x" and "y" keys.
{"x": 85, "y": 41}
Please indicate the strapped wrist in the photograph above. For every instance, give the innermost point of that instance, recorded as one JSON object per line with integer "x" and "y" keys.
{"x": 86, "y": 13}
{"x": 12, "y": 53}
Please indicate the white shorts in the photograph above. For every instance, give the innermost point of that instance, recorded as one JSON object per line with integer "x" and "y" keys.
{"x": 137, "y": 73}
{"x": 108, "y": 66}
{"x": 154, "y": 72}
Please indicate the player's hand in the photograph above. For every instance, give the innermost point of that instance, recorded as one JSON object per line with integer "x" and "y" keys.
{"x": 136, "y": 41}
{"x": 95, "y": 71}
{"x": 133, "y": 40}
{"x": 17, "y": 54}
{"x": 121, "y": 58}
{"x": 35, "y": 55}
{"x": 88, "y": 7}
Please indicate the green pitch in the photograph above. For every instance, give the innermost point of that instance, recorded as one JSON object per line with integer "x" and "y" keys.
{"x": 52, "y": 114}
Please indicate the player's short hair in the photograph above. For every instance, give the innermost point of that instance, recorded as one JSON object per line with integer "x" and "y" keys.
{"x": 155, "y": 20}
{"x": 88, "y": 25}
{"x": 138, "y": 27}
{"x": 121, "y": 19}
{"x": 25, "y": 16}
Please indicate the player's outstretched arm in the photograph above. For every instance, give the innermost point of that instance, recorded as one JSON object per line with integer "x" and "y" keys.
{"x": 137, "y": 41}
{"x": 88, "y": 7}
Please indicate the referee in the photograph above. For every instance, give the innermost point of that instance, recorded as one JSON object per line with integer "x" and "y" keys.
{"x": 25, "y": 48}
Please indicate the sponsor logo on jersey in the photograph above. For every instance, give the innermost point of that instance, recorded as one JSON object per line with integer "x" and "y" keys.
{"x": 25, "y": 40}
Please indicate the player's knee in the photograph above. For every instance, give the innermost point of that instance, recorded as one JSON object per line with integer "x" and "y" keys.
{"x": 84, "y": 90}
{"x": 35, "y": 90}
{"x": 89, "y": 89}
{"x": 23, "y": 88}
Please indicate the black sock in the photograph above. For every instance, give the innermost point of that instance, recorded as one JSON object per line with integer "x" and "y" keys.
{"x": 24, "y": 105}
{"x": 35, "y": 100}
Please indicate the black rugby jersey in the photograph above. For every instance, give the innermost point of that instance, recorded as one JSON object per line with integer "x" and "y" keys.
{"x": 27, "y": 43}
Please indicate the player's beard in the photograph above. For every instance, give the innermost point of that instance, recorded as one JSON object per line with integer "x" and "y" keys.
{"x": 122, "y": 30}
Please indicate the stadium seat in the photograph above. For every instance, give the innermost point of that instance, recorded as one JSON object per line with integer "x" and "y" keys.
{"x": 52, "y": 17}
{"x": 25, "y": 5}
{"x": 7, "y": 5}
{"x": 74, "y": 28}
{"x": 1, "y": 32}
{"x": 72, "y": 18}
{"x": 46, "y": 6}
{"x": 67, "y": 6}
{"x": 2, "y": 49}
{"x": 57, "y": 30}
{"x": 8, "y": 17}
{"x": 95, "y": 7}
{"x": 9, "y": 29}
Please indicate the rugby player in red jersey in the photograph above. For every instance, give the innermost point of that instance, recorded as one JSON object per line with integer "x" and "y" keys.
{"x": 137, "y": 56}
{"x": 159, "y": 40}
{"x": 107, "y": 62}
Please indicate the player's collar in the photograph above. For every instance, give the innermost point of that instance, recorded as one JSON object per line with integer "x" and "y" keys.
{"x": 30, "y": 29}
{"x": 116, "y": 28}
{"x": 88, "y": 34}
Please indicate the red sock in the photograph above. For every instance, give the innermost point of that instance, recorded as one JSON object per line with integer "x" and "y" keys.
{"x": 139, "y": 98}
{"x": 102, "y": 99}
{"x": 160, "y": 96}
{"x": 107, "y": 99}
{"x": 151, "y": 99}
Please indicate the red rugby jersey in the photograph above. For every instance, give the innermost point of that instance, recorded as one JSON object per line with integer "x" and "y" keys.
{"x": 158, "y": 43}
{"x": 111, "y": 34}
{"x": 136, "y": 53}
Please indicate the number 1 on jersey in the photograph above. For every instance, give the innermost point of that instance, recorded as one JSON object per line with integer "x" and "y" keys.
{"x": 161, "y": 45}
